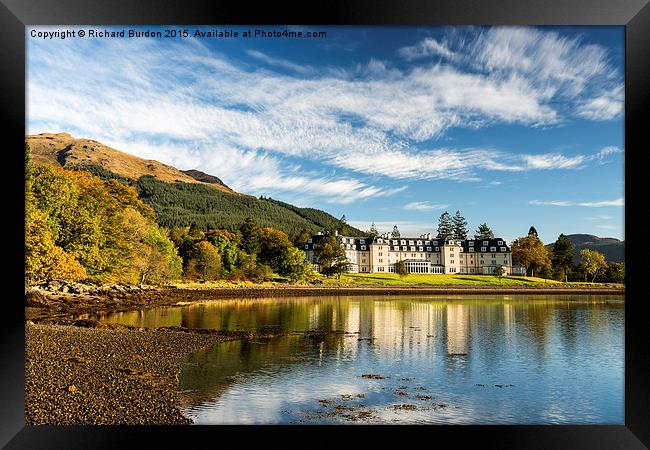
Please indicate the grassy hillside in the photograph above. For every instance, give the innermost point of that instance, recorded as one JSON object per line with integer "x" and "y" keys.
{"x": 62, "y": 150}
{"x": 324, "y": 220}
{"x": 613, "y": 249}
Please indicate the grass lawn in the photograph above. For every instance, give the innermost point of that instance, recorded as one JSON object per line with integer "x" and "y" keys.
{"x": 391, "y": 279}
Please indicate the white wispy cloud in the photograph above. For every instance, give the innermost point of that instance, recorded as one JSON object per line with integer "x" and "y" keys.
{"x": 279, "y": 62}
{"x": 424, "y": 206}
{"x": 426, "y": 48}
{"x": 191, "y": 107}
{"x": 597, "y": 204}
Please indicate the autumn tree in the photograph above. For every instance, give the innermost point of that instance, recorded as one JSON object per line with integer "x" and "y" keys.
{"x": 445, "y": 226}
{"x": 530, "y": 252}
{"x": 459, "y": 226}
{"x": 593, "y": 262}
{"x": 562, "y": 257}
{"x": 484, "y": 232}
{"x": 331, "y": 257}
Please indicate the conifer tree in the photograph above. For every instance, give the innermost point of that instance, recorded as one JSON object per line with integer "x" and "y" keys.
{"x": 459, "y": 226}
{"x": 445, "y": 226}
{"x": 484, "y": 232}
{"x": 395, "y": 233}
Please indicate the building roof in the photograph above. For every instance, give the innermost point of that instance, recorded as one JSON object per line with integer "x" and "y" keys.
{"x": 358, "y": 242}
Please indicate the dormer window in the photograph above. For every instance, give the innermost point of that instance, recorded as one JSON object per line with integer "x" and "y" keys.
{"x": 471, "y": 243}
{"x": 380, "y": 241}
{"x": 394, "y": 242}
{"x": 471, "y": 250}
{"x": 483, "y": 249}
{"x": 493, "y": 249}
{"x": 428, "y": 249}
{"x": 485, "y": 242}
{"x": 411, "y": 242}
{"x": 421, "y": 249}
{"x": 309, "y": 241}
{"x": 435, "y": 242}
{"x": 500, "y": 242}
{"x": 451, "y": 242}
{"x": 363, "y": 247}
{"x": 503, "y": 249}
{"x": 437, "y": 249}
{"x": 403, "y": 242}
{"x": 363, "y": 241}
{"x": 427, "y": 242}
{"x": 419, "y": 242}
{"x": 306, "y": 246}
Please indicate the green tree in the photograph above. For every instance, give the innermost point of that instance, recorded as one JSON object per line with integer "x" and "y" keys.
{"x": 459, "y": 226}
{"x": 615, "y": 272}
{"x": 500, "y": 271}
{"x": 395, "y": 233}
{"x": 251, "y": 237}
{"x": 445, "y": 226}
{"x": 530, "y": 252}
{"x": 331, "y": 257}
{"x": 273, "y": 245}
{"x": 294, "y": 265}
{"x": 223, "y": 240}
{"x": 532, "y": 232}
{"x": 484, "y": 232}
{"x": 401, "y": 269}
{"x": 593, "y": 262}
{"x": 562, "y": 257}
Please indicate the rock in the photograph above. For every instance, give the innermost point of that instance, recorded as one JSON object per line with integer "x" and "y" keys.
{"x": 53, "y": 285}
{"x": 35, "y": 298}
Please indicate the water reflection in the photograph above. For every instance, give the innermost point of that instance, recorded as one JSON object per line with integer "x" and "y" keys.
{"x": 497, "y": 359}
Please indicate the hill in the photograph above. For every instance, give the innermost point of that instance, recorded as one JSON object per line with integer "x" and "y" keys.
{"x": 179, "y": 198}
{"x": 612, "y": 248}
{"x": 61, "y": 149}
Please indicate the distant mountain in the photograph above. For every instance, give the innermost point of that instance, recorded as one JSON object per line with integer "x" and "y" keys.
{"x": 61, "y": 149}
{"x": 612, "y": 248}
{"x": 179, "y": 197}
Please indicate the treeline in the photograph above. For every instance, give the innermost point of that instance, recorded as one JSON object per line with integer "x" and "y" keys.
{"x": 79, "y": 227}
{"x": 529, "y": 251}
{"x": 83, "y": 227}
{"x": 183, "y": 204}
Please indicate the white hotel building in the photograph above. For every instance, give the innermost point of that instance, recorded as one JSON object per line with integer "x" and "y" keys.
{"x": 421, "y": 255}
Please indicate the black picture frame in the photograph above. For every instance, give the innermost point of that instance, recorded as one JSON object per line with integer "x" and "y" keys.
{"x": 15, "y": 15}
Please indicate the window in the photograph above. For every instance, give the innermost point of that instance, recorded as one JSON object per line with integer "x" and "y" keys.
{"x": 493, "y": 255}
{"x": 503, "y": 249}
{"x": 471, "y": 243}
{"x": 380, "y": 241}
{"x": 412, "y": 255}
{"x": 411, "y": 242}
{"x": 471, "y": 250}
{"x": 403, "y": 249}
{"x": 451, "y": 255}
{"x": 380, "y": 254}
{"x": 427, "y": 242}
{"x": 363, "y": 241}
{"x": 412, "y": 249}
{"x": 435, "y": 242}
{"x": 451, "y": 261}
{"x": 309, "y": 241}
{"x": 437, "y": 249}
{"x": 494, "y": 261}
{"x": 485, "y": 242}
{"x": 419, "y": 242}
{"x": 483, "y": 249}
{"x": 403, "y": 242}
{"x": 421, "y": 249}
{"x": 306, "y": 246}
{"x": 493, "y": 249}
{"x": 363, "y": 247}
{"x": 451, "y": 242}
{"x": 394, "y": 242}
{"x": 428, "y": 249}
{"x": 381, "y": 260}
{"x": 500, "y": 242}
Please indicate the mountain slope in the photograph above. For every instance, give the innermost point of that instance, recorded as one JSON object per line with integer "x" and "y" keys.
{"x": 61, "y": 149}
{"x": 612, "y": 248}
{"x": 179, "y": 198}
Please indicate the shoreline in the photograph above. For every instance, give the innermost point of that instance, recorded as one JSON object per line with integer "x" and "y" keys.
{"x": 62, "y": 307}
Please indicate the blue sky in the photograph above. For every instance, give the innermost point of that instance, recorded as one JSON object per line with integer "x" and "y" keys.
{"x": 512, "y": 126}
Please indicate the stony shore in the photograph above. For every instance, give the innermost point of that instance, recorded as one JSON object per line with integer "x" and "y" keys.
{"x": 85, "y": 376}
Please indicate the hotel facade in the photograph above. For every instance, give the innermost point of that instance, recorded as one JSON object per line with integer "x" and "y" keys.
{"x": 424, "y": 254}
